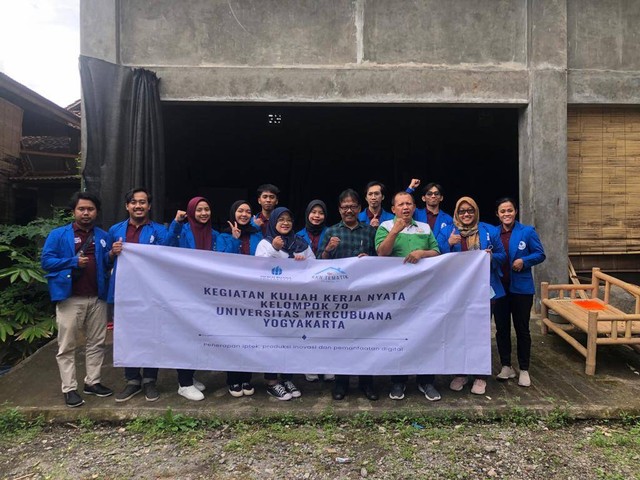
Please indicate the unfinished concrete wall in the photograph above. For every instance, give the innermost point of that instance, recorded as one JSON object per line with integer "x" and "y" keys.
{"x": 535, "y": 55}
{"x": 471, "y": 51}
{"x": 604, "y": 52}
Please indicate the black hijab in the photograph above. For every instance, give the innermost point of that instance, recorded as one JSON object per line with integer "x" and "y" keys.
{"x": 311, "y": 228}
{"x": 247, "y": 229}
{"x": 292, "y": 243}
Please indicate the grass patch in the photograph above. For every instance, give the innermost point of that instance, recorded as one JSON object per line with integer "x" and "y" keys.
{"x": 14, "y": 425}
{"x": 188, "y": 429}
{"x": 558, "y": 418}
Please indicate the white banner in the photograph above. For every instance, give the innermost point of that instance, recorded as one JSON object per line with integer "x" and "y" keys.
{"x": 194, "y": 309}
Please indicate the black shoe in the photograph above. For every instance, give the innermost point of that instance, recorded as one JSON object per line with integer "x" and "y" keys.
{"x": 339, "y": 392}
{"x": 150, "y": 391}
{"x": 129, "y": 392}
{"x": 72, "y": 399}
{"x": 98, "y": 390}
{"x": 397, "y": 391}
{"x": 370, "y": 392}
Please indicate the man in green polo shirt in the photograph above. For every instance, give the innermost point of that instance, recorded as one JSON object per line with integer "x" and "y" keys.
{"x": 404, "y": 237}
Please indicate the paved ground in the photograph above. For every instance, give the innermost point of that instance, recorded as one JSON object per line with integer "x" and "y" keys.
{"x": 557, "y": 372}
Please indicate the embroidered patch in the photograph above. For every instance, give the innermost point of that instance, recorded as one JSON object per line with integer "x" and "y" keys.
{"x": 151, "y": 239}
{"x": 522, "y": 245}
{"x": 103, "y": 243}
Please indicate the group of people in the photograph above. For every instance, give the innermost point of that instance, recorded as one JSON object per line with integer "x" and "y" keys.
{"x": 81, "y": 264}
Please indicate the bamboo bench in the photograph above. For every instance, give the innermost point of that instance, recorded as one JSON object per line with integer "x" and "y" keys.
{"x": 603, "y": 323}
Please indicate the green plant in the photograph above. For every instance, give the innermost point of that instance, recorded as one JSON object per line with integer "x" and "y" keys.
{"x": 26, "y": 313}
{"x": 11, "y": 420}
{"x": 520, "y": 416}
{"x": 14, "y": 424}
{"x": 558, "y": 418}
{"x": 168, "y": 424}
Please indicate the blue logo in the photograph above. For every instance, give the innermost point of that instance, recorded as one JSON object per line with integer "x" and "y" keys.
{"x": 330, "y": 274}
{"x": 276, "y": 271}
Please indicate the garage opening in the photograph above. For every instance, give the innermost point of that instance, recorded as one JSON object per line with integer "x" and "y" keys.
{"x": 224, "y": 152}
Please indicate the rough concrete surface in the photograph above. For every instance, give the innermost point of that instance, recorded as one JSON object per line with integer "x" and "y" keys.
{"x": 557, "y": 372}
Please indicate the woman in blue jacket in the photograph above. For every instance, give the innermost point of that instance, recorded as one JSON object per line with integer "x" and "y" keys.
{"x": 468, "y": 233}
{"x": 192, "y": 229}
{"x": 315, "y": 217}
{"x": 524, "y": 250}
{"x": 241, "y": 237}
{"x": 313, "y": 233}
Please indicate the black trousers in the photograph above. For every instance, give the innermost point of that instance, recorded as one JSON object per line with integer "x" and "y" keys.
{"x": 517, "y": 307}
{"x": 234, "y": 378}
{"x": 364, "y": 380}
{"x": 185, "y": 377}
{"x": 420, "y": 379}
{"x": 274, "y": 376}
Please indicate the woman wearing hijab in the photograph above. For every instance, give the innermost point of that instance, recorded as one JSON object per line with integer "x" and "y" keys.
{"x": 240, "y": 237}
{"x": 315, "y": 224}
{"x": 192, "y": 229}
{"x": 524, "y": 250}
{"x": 468, "y": 233}
{"x": 282, "y": 242}
{"x": 313, "y": 233}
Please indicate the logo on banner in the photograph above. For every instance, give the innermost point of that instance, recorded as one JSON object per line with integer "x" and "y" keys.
{"x": 331, "y": 274}
{"x": 276, "y": 274}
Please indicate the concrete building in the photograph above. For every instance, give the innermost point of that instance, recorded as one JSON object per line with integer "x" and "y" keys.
{"x": 317, "y": 95}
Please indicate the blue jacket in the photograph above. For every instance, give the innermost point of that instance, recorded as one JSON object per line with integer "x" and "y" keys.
{"x": 524, "y": 244}
{"x": 152, "y": 234}
{"x": 180, "y": 236}
{"x": 488, "y": 238}
{"x": 305, "y": 235}
{"x": 59, "y": 259}
{"x": 442, "y": 220}
{"x": 384, "y": 216}
{"x": 228, "y": 244}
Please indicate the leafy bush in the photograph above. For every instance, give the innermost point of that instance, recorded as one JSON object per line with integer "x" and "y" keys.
{"x": 26, "y": 313}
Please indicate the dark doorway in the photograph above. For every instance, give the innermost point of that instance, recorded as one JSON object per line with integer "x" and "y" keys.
{"x": 225, "y": 152}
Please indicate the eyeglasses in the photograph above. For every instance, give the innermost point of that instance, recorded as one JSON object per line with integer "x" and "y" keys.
{"x": 346, "y": 208}
{"x": 468, "y": 211}
{"x": 284, "y": 220}
{"x": 432, "y": 194}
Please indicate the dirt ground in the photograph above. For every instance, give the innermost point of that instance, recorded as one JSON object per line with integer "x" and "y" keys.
{"x": 185, "y": 448}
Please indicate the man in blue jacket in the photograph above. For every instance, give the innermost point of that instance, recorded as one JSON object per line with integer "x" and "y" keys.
{"x": 75, "y": 258}
{"x": 374, "y": 214}
{"x": 138, "y": 228}
{"x": 432, "y": 196}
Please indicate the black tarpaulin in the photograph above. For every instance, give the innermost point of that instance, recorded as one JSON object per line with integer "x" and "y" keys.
{"x": 124, "y": 135}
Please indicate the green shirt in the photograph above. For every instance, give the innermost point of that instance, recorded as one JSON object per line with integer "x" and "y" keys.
{"x": 417, "y": 236}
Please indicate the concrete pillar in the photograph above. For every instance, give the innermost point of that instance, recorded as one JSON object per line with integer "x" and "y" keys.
{"x": 543, "y": 137}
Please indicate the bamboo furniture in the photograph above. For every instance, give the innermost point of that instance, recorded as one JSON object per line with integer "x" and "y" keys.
{"x": 603, "y": 323}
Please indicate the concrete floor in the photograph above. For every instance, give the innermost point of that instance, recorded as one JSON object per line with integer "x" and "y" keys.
{"x": 557, "y": 373}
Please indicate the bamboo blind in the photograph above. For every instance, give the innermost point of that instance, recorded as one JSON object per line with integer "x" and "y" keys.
{"x": 603, "y": 148}
{"x": 10, "y": 129}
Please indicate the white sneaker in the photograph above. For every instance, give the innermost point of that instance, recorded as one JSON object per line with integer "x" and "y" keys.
{"x": 311, "y": 377}
{"x": 524, "y": 380}
{"x": 329, "y": 377}
{"x": 199, "y": 385}
{"x": 506, "y": 373}
{"x": 191, "y": 393}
